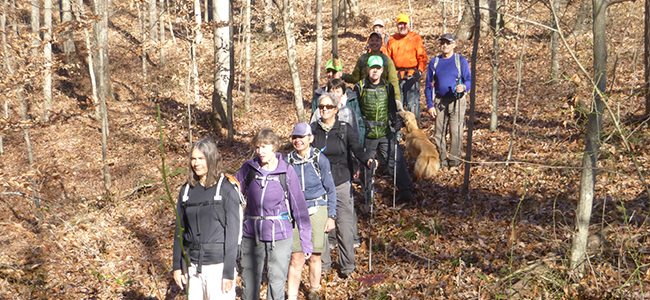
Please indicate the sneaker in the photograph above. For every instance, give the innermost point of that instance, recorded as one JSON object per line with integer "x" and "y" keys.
{"x": 356, "y": 245}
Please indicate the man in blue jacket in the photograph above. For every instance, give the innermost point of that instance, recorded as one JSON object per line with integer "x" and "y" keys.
{"x": 449, "y": 76}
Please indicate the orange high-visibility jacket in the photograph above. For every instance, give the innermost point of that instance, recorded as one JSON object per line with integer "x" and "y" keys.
{"x": 407, "y": 52}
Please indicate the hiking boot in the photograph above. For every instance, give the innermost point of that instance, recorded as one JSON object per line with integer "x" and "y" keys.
{"x": 313, "y": 295}
{"x": 405, "y": 196}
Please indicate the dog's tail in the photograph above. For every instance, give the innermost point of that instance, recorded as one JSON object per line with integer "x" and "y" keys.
{"x": 427, "y": 167}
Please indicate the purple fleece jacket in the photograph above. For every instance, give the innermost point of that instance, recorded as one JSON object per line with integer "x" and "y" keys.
{"x": 266, "y": 198}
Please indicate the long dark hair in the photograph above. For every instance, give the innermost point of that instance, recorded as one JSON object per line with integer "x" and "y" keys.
{"x": 213, "y": 161}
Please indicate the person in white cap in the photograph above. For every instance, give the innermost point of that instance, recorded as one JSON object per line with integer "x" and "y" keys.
{"x": 378, "y": 27}
{"x": 315, "y": 176}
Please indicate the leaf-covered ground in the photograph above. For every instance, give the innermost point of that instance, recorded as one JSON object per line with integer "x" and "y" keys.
{"x": 510, "y": 237}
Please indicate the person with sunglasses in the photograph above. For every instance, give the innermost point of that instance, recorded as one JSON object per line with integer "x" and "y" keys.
{"x": 315, "y": 176}
{"x": 338, "y": 141}
{"x": 448, "y": 80}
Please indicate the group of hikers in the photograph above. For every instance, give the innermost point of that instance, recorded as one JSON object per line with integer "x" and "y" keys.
{"x": 293, "y": 202}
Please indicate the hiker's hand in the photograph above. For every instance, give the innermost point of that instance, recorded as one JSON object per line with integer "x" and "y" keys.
{"x": 460, "y": 88}
{"x": 307, "y": 255}
{"x": 227, "y": 285}
{"x": 356, "y": 175}
{"x": 417, "y": 75}
{"x": 433, "y": 112}
{"x": 180, "y": 278}
{"x": 329, "y": 225}
{"x": 370, "y": 161}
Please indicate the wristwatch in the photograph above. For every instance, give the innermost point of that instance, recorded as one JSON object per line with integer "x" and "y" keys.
{"x": 334, "y": 217}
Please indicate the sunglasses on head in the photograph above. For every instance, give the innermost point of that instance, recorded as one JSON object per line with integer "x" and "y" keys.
{"x": 328, "y": 106}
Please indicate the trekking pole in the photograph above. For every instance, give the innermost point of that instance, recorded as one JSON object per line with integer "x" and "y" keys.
{"x": 373, "y": 166}
{"x": 395, "y": 169}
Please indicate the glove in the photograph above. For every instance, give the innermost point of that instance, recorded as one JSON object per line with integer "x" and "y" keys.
{"x": 417, "y": 75}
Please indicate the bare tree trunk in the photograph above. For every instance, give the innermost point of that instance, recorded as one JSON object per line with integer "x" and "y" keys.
{"x": 555, "y": 43}
{"x": 444, "y": 16}
{"x": 36, "y": 24}
{"x": 484, "y": 12}
{"x": 353, "y": 5}
{"x": 247, "y": 84}
{"x": 143, "y": 48}
{"x": 222, "y": 60}
{"x": 100, "y": 36}
{"x": 5, "y": 51}
{"x": 494, "y": 116}
{"x": 231, "y": 81}
{"x": 464, "y": 29}
{"x": 335, "y": 29}
{"x": 47, "y": 55}
{"x": 287, "y": 20}
{"x": 153, "y": 22}
{"x": 472, "y": 104}
{"x": 268, "y": 17}
{"x": 107, "y": 174}
{"x": 646, "y": 54}
{"x": 319, "y": 43}
{"x": 592, "y": 139}
{"x": 68, "y": 43}
{"x": 581, "y": 26}
{"x": 162, "y": 32}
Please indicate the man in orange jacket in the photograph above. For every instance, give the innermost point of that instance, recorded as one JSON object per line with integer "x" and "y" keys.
{"x": 406, "y": 50}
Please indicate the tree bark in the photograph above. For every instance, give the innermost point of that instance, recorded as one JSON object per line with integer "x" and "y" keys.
{"x": 247, "y": 83}
{"x": 153, "y": 22}
{"x": 464, "y": 29}
{"x": 555, "y": 43}
{"x": 287, "y": 20}
{"x": 581, "y": 26}
{"x": 36, "y": 24}
{"x": 646, "y": 54}
{"x": 68, "y": 38}
{"x": 47, "y": 55}
{"x": 162, "y": 32}
{"x": 143, "y": 48}
{"x": 335, "y": 29}
{"x": 231, "y": 78}
{"x": 319, "y": 43}
{"x": 592, "y": 139}
{"x": 494, "y": 116}
{"x": 100, "y": 36}
{"x": 472, "y": 104}
{"x": 268, "y": 17}
{"x": 221, "y": 13}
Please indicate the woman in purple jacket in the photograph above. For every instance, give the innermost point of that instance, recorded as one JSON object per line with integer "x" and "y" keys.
{"x": 274, "y": 200}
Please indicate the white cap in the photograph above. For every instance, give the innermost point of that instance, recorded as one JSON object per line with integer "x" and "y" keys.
{"x": 378, "y": 22}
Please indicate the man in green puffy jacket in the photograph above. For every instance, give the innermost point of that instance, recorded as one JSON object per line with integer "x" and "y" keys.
{"x": 379, "y": 110}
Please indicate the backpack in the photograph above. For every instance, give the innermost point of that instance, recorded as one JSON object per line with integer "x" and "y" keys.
{"x": 457, "y": 60}
{"x": 375, "y": 112}
{"x": 217, "y": 201}
{"x": 282, "y": 178}
{"x": 314, "y": 160}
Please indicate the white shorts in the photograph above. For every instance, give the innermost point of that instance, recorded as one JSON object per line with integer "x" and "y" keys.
{"x": 207, "y": 284}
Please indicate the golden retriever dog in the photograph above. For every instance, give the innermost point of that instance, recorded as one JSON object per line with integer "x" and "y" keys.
{"x": 418, "y": 146}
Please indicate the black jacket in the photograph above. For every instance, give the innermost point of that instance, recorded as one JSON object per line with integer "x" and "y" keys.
{"x": 202, "y": 226}
{"x": 338, "y": 145}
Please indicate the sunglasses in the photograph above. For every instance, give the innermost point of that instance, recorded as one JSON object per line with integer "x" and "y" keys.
{"x": 328, "y": 106}
{"x": 293, "y": 137}
{"x": 445, "y": 43}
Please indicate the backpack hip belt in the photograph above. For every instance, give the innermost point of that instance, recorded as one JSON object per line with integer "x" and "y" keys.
{"x": 320, "y": 201}
{"x": 202, "y": 247}
{"x": 281, "y": 216}
{"x": 402, "y": 73}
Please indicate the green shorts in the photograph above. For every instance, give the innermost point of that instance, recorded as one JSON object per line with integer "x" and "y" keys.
{"x": 318, "y": 235}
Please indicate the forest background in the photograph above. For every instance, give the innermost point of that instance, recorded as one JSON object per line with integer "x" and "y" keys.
{"x": 93, "y": 91}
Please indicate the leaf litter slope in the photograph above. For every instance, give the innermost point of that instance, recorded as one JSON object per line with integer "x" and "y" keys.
{"x": 438, "y": 246}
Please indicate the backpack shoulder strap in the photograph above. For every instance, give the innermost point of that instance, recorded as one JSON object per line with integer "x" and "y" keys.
{"x": 235, "y": 183}
{"x": 186, "y": 193}
{"x": 457, "y": 66}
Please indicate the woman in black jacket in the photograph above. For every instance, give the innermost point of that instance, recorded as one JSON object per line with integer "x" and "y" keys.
{"x": 210, "y": 212}
{"x": 338, "y": 140}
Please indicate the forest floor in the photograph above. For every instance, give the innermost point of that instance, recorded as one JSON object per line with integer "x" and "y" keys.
{"x": 508, "y": 238}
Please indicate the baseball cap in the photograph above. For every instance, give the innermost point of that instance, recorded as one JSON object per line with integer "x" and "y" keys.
{"x": 403, "y": 18}
{"x": 375, "y": 60}
{"x": 374, "y": 33}
{"x": 301, "y": 129}
{"x": 330, "y": 65}
{"x": 378, "y": 22}
{"x": 447, "y": 36}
